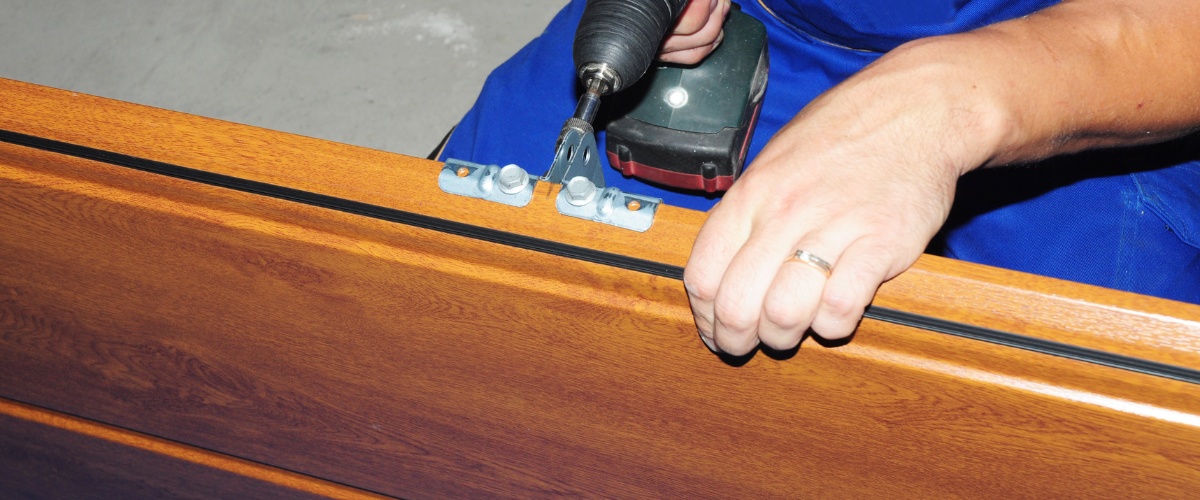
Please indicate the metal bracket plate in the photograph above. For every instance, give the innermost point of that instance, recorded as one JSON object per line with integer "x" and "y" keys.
{"x": 577, "y": 155}
{"x": 509, "y": 185}
{"x": 584, "y": 195}
{"x": 611, "y": 206}
{"x": 576, "y": 166}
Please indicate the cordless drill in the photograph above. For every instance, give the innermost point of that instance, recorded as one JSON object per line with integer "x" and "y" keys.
{"x": 683, "y": 126}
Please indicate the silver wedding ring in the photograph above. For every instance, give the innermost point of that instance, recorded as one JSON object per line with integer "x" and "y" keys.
{"x": 813, "y": 261}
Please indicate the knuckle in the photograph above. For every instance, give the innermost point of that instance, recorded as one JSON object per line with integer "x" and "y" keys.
{"x": 785, "y": 314}
{"x": 736, "y": 345}
{"x": 734, "y": 316}
{"x": 671, "y": 57}
{"x": 692, "y": 21}
{"x": 692, "y": 26}
{"x": 835, "y": 329}
{"x": 841, "y": 308}
{"x": 839, "y": 315}
{"x": 699, "y": 284}
{"x": 840, "y": 305}
{"x": 688, "y": 56}
{"x": 781, "y": 340}
{"x": 712, "y": 25}
{"x": 865, "y": 277}
{"x": 848, "y": 297}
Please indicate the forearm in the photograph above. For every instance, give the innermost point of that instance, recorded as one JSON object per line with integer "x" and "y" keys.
{"x": 1082, "y": 74}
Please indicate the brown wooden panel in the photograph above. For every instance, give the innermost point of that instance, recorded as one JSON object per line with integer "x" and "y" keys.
{"x": 45, "y": 454}
{"x": 421, "y": 364}
{"x": 1123, "y": 323}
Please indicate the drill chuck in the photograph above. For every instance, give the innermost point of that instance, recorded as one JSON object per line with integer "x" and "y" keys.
{"x": 617, "y": 39}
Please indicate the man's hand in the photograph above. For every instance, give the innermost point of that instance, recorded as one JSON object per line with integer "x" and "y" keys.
{"x": 864, "y": 176}
{"x": 862, "y": 179}
{"x": 697, "y": 32}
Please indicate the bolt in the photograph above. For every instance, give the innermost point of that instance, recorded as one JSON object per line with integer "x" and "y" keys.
{"x": 580, "y": 191}
{"x": 512, "y": 179}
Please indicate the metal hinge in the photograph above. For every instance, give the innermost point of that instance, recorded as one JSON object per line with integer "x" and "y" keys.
{"x": 576, "y": 167}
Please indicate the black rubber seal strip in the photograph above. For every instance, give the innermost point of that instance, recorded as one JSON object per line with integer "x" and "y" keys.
{"x": 1034, "y": 344}
{"x": 343, "y": 205}
{"x": 585, "y": 254}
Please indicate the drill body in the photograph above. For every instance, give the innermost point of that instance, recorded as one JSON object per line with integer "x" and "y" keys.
{"x": 683, "y": 126}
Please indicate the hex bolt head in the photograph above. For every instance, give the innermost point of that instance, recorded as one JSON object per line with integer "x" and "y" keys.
{"x": 580, "y": 191}
{"x": 512, "y": 179}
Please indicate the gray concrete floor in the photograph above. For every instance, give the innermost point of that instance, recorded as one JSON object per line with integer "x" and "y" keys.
{"x": 391, "y": 75}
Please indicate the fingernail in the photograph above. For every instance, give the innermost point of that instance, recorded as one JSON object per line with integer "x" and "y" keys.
{"x": 712, "y": 346}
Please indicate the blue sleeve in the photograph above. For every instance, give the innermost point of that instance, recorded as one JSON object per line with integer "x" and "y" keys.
{"x": 524, "y": 102}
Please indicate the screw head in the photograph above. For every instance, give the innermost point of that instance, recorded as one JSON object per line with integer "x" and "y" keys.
{"x": 462, "y": 172}
{"x": 580, "y": 191}
{"x": 633, "y": 205}
{"x": 512, "y": 179}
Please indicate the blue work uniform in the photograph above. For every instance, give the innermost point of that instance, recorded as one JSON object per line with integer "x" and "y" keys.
{"x": 1128, "y": 220}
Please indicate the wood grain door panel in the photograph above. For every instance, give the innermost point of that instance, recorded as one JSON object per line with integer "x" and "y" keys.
{"x": 413, "y": 362}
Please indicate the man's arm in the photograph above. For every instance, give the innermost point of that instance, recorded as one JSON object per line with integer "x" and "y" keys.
{"x": 1089, "y": 73}
{"x": 864, "y": 176}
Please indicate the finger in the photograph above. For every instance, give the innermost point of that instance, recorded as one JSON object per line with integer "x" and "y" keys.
{"x": 792, "y": 300}
{"x": 695, "y": 16}
{"x": 738, "y": 305}
{"x": 707, "y": 35}
{"x": 694, "y": 55}
{"x": 860, "y": 270}
{"x": 718, "y": 241}
{"x": 710, "y": 344}
{"x": 704, "y": 328}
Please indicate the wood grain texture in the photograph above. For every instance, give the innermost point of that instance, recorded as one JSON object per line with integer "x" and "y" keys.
{"x": 425, "y": 365}
{"x": 45, "y": 454}
{"x": 1123, "y": 323}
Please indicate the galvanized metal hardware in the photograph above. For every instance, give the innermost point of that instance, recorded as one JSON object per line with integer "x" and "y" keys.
{"x": 584, "y": 195}
{"x": 576, "y": 167}
{"x": 509, "y": 185}
{"x": 580, "y": 198}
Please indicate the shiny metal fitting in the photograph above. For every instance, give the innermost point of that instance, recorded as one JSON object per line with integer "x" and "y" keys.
{"x": 580, "y": 191}
{"x": 600, "y": 78}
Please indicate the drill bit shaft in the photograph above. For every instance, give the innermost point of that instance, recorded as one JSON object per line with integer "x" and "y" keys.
{"x": 589, "y": 102}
